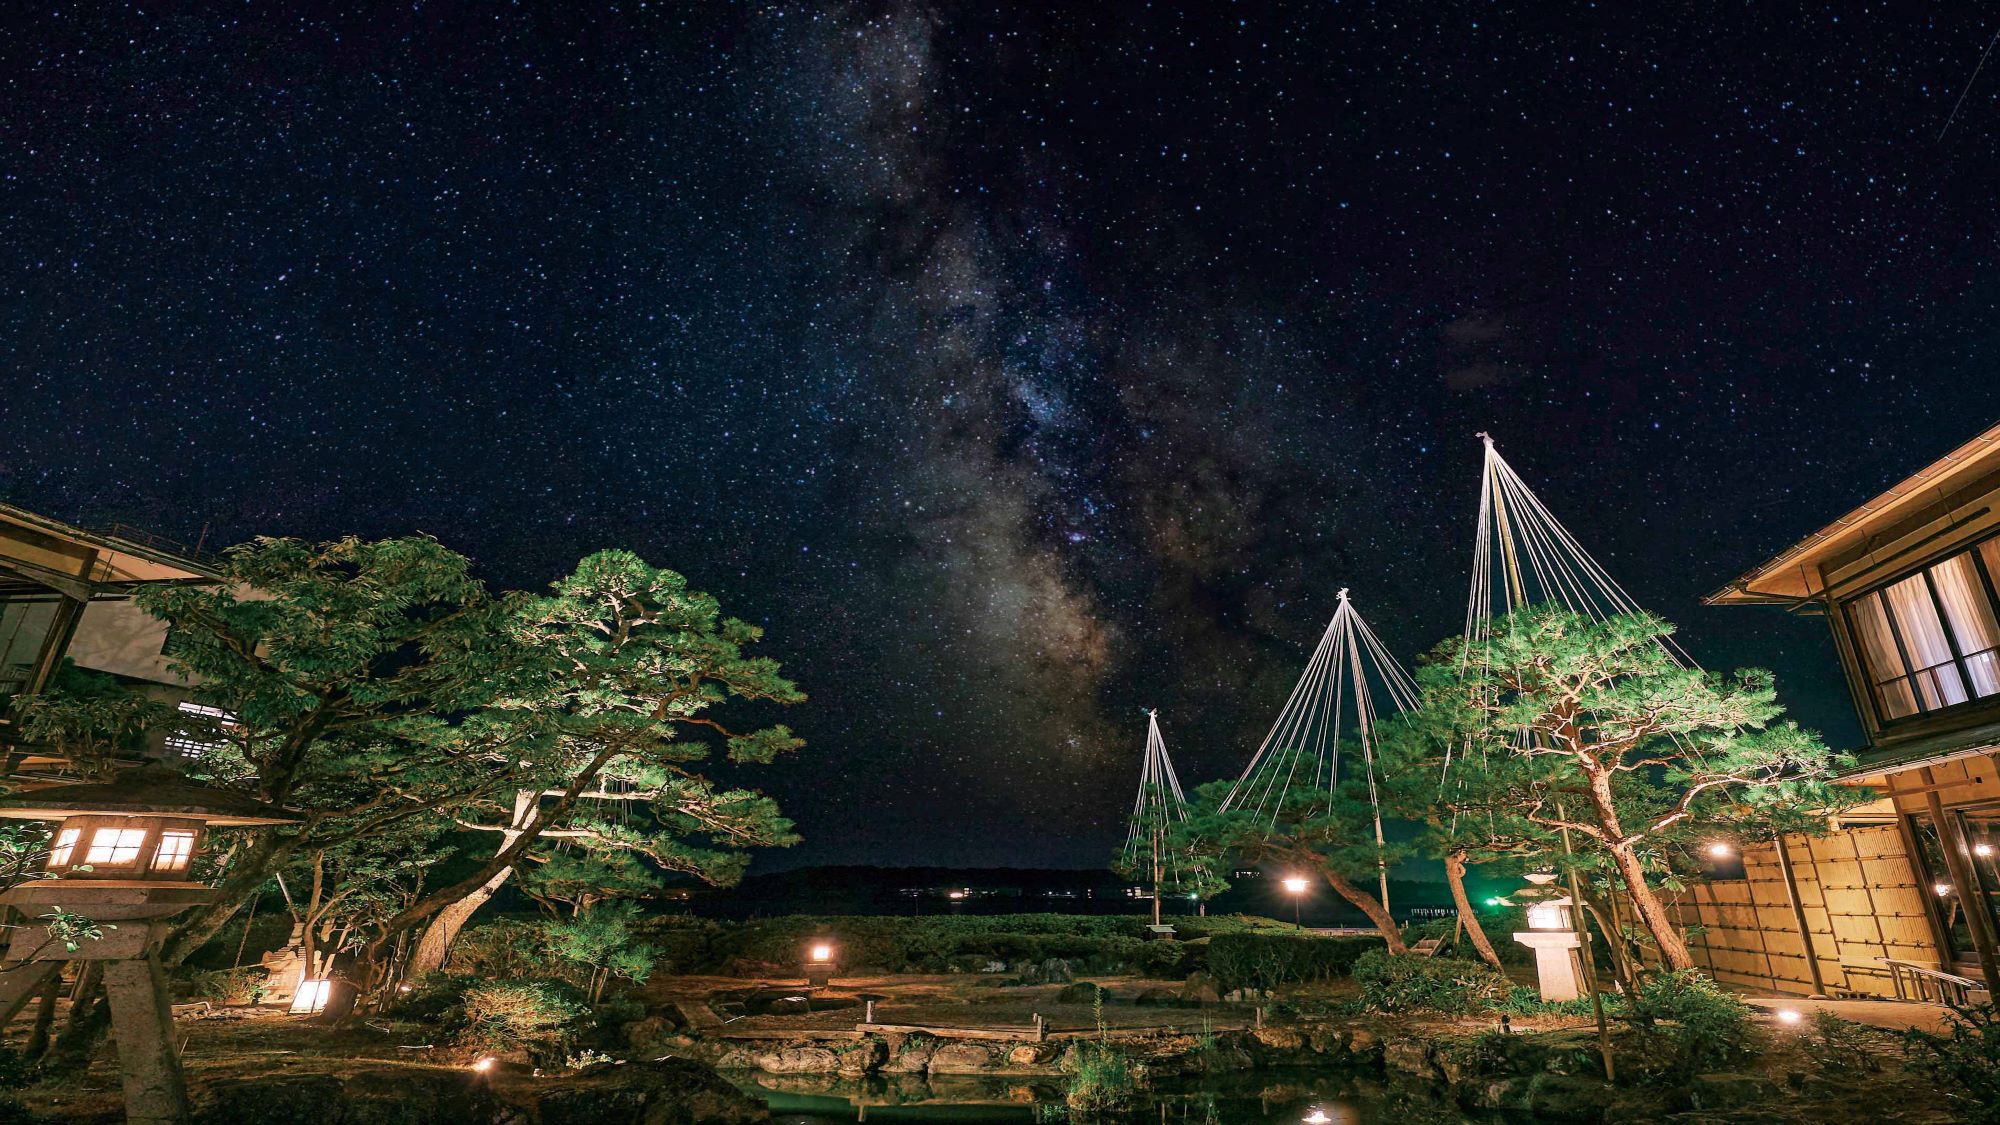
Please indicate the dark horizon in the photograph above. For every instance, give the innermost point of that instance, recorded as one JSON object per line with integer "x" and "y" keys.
{"x": 1017, "y": 370}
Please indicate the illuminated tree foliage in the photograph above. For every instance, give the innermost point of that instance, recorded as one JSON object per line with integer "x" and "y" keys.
{"x": 1559, "y": 721}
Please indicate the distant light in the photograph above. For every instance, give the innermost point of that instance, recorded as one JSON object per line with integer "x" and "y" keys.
{"x": 956, "y": 894}
{"x": 311, "y": 997}
{"x": 1983, "y": 851}
{"x": 1295, "y": 884}
{"x": 485, "y": 1065}
{"x": 1942, "y": 889}
{"x": 822, "y": 952}
{"x": 1789, "y": 1015}
{"x": 402, "y": 988}
{"x": 1496, "y": 902}
{"x": 1719, "y": 850}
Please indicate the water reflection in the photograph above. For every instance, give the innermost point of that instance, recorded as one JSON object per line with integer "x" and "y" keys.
{"x": 1304, "y": 1099}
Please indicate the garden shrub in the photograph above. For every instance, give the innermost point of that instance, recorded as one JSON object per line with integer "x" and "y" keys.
{"x": 1690, "y": 1023}
{"x": 1102, "y": 1079}
{"x": 1839, "y": 1048}
{"x": 1964, "y": 1063}
{"x": 434, "y": 998}
{"x": 1265, "y": 961}
{"x": 230, "y": 987}
{"x": 1406, "y": 983}
{"x": 507, "y": 949}
{"x": 521, "y": 1012}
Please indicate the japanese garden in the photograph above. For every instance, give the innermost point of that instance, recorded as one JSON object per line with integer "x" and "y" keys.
{"x": 1295, "y": 562}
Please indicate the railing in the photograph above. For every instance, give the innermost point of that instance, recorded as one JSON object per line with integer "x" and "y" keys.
{"x": 1916, "y": 981}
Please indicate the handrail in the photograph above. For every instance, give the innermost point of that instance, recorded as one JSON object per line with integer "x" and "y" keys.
{"x": 1928, "y": 983}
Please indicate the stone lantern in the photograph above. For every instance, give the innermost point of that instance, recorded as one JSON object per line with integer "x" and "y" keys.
{"x": 1552, "y": 935}
{"x": 820, "y": 962}
{"x": 122, "y": 857}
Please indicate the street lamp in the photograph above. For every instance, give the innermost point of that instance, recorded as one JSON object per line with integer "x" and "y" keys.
{"x": 1295, "y": 885}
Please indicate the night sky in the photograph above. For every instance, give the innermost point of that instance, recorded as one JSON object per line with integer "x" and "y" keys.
{"x": 1018, "y": 368}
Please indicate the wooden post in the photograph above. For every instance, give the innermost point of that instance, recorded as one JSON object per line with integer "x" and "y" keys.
{"x": 1978, "y": 921}
{"x": 1799, "y": 917}
{"x": 1940, "y": 939}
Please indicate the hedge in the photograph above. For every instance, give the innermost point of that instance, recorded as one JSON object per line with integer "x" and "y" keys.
{"x": 1264, "y": 961}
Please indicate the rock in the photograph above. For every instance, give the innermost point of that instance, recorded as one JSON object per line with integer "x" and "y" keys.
{"x": 1200, "y": 989}
{"x": 1157, "y": 998}
{"x": 400, "y": 1097}
{"x": 1278, "y": 1038}
{"x": 1564, "y": 1097}
{"x": 912, "y": 1055}
{"x": 1031, "y": 1055}
{"x": 1082, "y": 992}
{"x": 1409, "y": 1056}
{"x": 864, "y": 1057}
{"x": 1055, "y": 970}
{"x": 788, "y": 1006}
{"x": 993, "y": 967}
{"x": 962, "y": 1058}
{"x": 1710, "y": 1092}
{"x": 798, "y": 1060}
{"x": 668, "y": 1092}
{"x": 1361, "y": 1041}
{"x": 650, "y": 1036}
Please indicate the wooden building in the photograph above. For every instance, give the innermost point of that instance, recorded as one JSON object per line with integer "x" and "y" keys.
{"x": 1902, "y": 895}
{"x": 66, "y": 593}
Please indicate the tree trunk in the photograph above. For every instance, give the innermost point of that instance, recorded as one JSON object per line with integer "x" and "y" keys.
{"x": 443, "y": 930}
{"x": 89, "y": 1020}
{"x": 1367, "y": 904}
{"x": 1652, "y": 912}
{"x": 1621, "y": 965}
{"x": 530, "y": 821}
{"x": 449, "y": 909}
{"x": 1454, "y": 874}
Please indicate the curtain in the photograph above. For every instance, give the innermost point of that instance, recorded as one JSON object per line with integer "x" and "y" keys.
{"x": 1879, "y": 657}
{"x": 1971, "y": 616}
{"x": 1938, "y": 683}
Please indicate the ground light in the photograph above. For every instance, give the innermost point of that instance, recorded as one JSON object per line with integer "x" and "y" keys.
{"x": 310, "y": 999}
{"x": 1317, "y": 1117}
{"x": 1720, "y": 850}
{"x": 1789, "y": 1016}
{"x": 485, "y": 1065}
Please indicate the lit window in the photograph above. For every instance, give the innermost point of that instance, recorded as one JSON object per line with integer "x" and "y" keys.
{"x": 175, "y": 849}
{"x": 1932, "y": 640}
{"x": 115, "y": 845}
{"x": 195, "y": 742}
{"x": 65, "y": 844}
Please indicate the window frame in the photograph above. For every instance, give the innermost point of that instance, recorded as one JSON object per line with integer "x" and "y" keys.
{"x": 1873, "y": 682}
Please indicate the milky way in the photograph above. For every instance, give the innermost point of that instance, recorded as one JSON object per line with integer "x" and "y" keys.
{"x": 1018, "y": 369}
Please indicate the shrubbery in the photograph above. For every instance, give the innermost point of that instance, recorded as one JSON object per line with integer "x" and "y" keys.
{"x": 1264, "y": 961}
{"x": 1965, "y": 1061}
{"x": 1405, "y": 983}
{"x": 1693, "y": 1024}
{"x": 509, "y": 1013}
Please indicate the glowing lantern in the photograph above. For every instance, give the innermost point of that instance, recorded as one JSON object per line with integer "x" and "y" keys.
{"x": 311, "y": 998}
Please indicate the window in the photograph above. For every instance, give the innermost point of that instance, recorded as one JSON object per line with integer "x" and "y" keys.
{"x": 174, "y": 851}
{"x": 1931, "y": 640}
{"x": 197, "y": 740}
{"x": 115, "y": 845}
{"x": 65, "y": 845}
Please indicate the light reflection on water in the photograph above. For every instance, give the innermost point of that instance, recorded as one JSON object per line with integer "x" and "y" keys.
{"x": 1237, "y": 1099}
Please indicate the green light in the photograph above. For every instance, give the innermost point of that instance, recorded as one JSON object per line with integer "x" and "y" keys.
{"x": 1494, "y": 902}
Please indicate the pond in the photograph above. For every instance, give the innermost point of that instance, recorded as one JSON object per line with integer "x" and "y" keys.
{"x": 1273, "y": 1098}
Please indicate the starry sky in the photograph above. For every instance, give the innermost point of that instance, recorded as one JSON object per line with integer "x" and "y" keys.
{"x": 1017, "y": 366}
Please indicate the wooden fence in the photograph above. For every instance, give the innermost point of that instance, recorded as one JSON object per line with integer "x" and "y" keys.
{"x": 1862, "y": 899}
